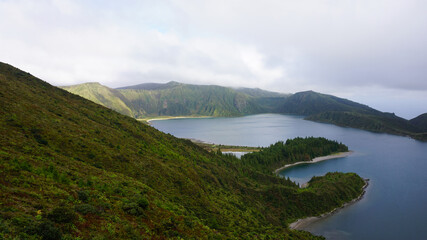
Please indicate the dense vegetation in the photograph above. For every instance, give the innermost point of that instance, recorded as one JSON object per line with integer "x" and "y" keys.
{"x": 176, "y": 99}
{"x": 309, "y": 103}
{"x": 420, "y": 122}
{"x": 294, "y": 150}
{"x": 71, "y": 168}
{"x": 380, "y": 122}
{"x": 103, "y": 95}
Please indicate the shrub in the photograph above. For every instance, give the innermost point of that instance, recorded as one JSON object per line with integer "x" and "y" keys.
{"x": 25, "y": 224}
{"x": 142, "y": 202}
{"x": 86, "y": 209}
{"x": 137, "y": 206}
{"x": 48, "y": 231}
{"x": 62, "y": 215}
{"x": 83, "y": 195}
{"x": 133, "y": 209}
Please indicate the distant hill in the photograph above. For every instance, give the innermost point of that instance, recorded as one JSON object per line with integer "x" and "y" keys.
{"x": 259, "y": 93}
{"x": 309, "y": 103}
{"x": 420, "y": 122}
{"x": 330, "y": 109}
{"x": 177, "y": 99}
{"x": 152, "y": 86}
{"x": 72, "y": 168}
{"x": 381, "y": 122}
{"x": 102, "y": 95}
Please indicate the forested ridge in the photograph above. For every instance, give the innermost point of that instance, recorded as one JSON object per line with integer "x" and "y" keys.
{"x": 293, "y": 150}
{"x": 72, "y": 169}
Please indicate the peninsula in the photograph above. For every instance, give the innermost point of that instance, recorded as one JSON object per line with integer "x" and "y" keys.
{"x": 315, "y": 160}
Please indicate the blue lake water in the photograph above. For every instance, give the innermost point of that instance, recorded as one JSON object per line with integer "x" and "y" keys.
{"x": 395, "y": 204}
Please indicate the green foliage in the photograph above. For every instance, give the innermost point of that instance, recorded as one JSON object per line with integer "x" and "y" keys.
{"x": 294, "y": 150}
{"x": 105, "y": 175}
{"x": 102, "y": 95}
{"x": 136, "y": 206}
{"x": 62, "y": 215}
{"x": 176, "y": 99}
{"x": 83, "y": 195}
{"x": 420, "y": 122}
{"x": 380, "y": 122}
{"x": 142, "y": 202}
{"x": 133, "y": 208}
{"x": 48, "y": 231}
{"x": 86, "y": 209}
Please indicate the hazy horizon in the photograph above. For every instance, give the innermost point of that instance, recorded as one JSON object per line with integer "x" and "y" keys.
{"x": 371, "y": 52}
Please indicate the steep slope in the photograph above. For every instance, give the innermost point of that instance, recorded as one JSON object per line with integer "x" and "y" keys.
{"x": 420, "y": 122}
{"x": 309, "y": 103}
{"x": 259, "y": 93}
{"x": 102, "y": 95}
{"x": 342, "y": 112}
{"x": 152, "y": 86}
{"x": 174, "y": 99}
{"x": 381, "y": 122}
{"x": 177, "y": 99}
{"x": 73, "y": 168}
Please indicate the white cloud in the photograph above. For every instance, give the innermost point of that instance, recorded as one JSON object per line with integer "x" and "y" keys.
{"x": 288, "y": 46}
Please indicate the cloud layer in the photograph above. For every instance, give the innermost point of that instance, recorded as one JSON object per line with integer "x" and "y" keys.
{"x": 338, "y": 47}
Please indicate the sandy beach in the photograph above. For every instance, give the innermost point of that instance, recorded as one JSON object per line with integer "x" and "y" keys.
{"x": 300, "y": 224}
{"x": 315, "y": 160}
{"x": 148, "y": 120}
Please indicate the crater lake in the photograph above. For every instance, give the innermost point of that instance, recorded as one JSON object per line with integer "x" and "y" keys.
{"x": 394, "y": 206}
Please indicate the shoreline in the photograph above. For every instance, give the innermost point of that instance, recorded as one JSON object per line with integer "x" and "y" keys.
{"x": 160, "y": 118}
{"x": 224, "y": 148}
{"x": 300, "y": 224}
{"x": 315, "y": 160}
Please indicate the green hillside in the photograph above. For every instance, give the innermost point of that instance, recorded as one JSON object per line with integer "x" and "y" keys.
{"x": 176, "y": 99}
{"x": 342, "y": 112}
{"x": 72, "y": 169}
{"x": 102, "y": 95}
{"x": 420, "y": 122}
{"x": 386, "y": 123}
{"x": 309, "y": 103}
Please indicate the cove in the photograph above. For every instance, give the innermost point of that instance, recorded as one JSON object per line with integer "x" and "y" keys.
{"x": 394, "y": 204}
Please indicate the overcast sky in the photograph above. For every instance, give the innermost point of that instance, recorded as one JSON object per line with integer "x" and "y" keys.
{"x": 369, "y": 51}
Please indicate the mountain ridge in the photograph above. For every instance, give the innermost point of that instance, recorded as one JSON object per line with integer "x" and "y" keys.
{"x": 177, "y": 99}
{"x": 420, "y": 121}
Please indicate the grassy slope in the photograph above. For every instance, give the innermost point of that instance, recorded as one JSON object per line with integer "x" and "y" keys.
{"x": 342, "y": 112}
{"x": 177, "y": 99}
{"x": 184, "y": 99}
{"x": 309, "y": 103}
{"x": 420, "y": 122}
{"x": 102, "y": 95}
{"x": 71, "y": 166}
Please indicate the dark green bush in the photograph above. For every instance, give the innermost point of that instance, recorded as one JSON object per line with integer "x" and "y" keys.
{"x": 83, "y": 195}
{"x": 25, "y": 224}
{"x": 62, "y": 215}
{"x": 137, "y": 206}
{"x": 142, "y": 202}
{"x": 133, "y": 209}
{"x": 86, "y": 209}
{"x": 48, "y": 231}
